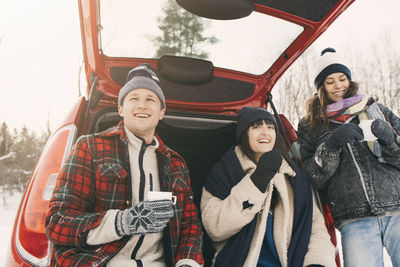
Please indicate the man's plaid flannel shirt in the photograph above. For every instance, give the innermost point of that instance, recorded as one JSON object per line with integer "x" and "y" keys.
{"x": 95, "y": 178}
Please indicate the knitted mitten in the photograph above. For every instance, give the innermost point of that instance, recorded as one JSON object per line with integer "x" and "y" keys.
{"x": 345, "y": 133}
{"x": 145, "y": 217}
{"x": 383, "y": 131}
{"x": 267, "y": 166}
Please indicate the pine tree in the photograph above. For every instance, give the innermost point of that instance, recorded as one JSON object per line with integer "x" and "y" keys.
{"x": 5, "y": 139}
{"x": 182, "y": 33}
{"x": 24, "y": 149}
{"x": 27, "y": 149}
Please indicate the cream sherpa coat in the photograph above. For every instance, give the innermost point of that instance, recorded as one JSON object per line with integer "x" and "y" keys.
{"x": 224, "y": 218}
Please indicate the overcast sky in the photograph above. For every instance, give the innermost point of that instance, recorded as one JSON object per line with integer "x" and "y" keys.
{"x": 40, "y": 53}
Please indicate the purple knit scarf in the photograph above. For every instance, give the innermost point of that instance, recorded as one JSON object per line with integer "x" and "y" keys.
{"x": 344, "y": 103}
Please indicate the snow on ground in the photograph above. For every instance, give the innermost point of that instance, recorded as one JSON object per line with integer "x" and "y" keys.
{"x": 8, "y": 207}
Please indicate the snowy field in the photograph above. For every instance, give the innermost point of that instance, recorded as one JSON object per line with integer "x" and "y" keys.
{"x": 8, "y": 208}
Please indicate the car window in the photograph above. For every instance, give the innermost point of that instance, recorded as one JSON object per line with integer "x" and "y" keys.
{"x": 134, "y": 29}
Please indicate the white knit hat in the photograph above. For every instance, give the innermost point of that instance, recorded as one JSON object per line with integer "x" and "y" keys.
{"x": 329, "y": 62}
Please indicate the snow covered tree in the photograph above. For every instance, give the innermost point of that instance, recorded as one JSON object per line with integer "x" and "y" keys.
{"x": 182, "y": 33}
{"x": 20, "y": 151}
{"x": 5, "y": 139}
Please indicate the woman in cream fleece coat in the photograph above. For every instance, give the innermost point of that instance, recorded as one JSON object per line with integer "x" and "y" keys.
{"x": 258, "y": 208}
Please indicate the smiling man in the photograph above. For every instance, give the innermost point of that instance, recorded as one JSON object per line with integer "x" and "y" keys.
{"x": 100, "y": 212}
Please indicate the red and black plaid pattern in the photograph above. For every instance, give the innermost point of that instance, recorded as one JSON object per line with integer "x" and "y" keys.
{"x": 96, "y": 178}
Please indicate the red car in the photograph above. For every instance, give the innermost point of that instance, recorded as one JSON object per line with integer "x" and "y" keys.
{"x": 221, "y": 56}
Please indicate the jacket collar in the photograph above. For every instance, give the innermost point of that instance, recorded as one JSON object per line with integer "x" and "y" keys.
{"x": 119, "y": 130}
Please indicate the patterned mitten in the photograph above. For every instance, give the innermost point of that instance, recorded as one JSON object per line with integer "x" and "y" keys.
{"x": 145, "y": 217}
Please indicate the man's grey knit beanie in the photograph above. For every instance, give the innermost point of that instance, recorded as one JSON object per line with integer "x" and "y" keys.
{"x": 143, "y": 76}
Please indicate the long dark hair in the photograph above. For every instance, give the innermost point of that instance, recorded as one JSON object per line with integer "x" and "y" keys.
{"x": 279, "y": 145}
{"x": 316, "y": 106}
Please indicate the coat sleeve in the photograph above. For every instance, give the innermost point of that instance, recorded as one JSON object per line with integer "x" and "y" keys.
{"x": 320, "y": 248}
{"x": 391, "y": 153}
{"x": 105, "y": 232}
{"x": 320, "y": 164}
{"x": 223, "y": 218}
{"x": 70, "y": 216}
{"x": 190, "y": 241}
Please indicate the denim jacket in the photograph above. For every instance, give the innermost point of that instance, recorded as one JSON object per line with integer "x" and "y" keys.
{"x": 357, "y": 185}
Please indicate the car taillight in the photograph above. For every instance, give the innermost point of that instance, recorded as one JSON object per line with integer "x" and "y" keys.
{"x": 30, "y": 238}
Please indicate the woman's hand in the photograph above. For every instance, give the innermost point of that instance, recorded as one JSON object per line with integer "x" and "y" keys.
{"x": 345, "y": 133}
{"x": 267, "y": 166}
{"x": 383, "y": 131}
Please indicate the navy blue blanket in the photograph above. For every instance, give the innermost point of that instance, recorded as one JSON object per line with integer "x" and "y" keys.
{"x": 224, "y": 176}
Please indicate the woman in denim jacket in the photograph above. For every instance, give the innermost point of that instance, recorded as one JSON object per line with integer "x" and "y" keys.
{"x": 350, "y": 147}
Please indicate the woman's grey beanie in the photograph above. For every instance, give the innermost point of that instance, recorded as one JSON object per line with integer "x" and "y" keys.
{"x": 143, "y": 76}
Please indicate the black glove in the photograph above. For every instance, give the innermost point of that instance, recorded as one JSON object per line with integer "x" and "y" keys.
{"x": 345, "y": 133}
{"x": 383, "y": 131}
{"x": 267, "y": 166}
{"x": 145, "y": 217}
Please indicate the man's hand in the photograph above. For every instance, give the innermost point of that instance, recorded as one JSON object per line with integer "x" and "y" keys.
{"x": 145, "y": 217}
{"x": 383, "y": 131}
{"x": 345, "y": 133}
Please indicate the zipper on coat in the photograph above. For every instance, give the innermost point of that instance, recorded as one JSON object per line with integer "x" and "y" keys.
{"x": 151, "y": 182}
{"x": 359, "y": 172}
{"x": 142, "y": 174}
{"x": 136, "y": 249}
{"x": 141, "y": 198}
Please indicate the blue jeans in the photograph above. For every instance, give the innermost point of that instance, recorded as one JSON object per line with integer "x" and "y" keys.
{"x": 363, "y": 241}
